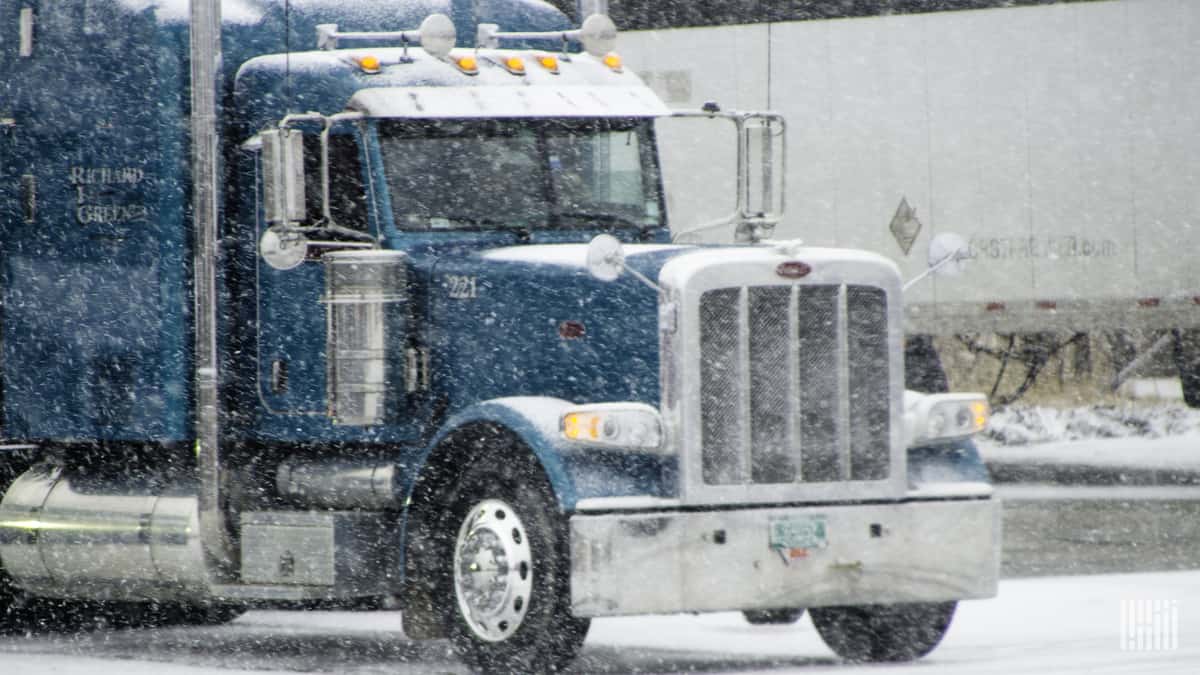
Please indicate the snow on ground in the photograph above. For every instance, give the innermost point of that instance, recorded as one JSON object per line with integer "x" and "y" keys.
{"x": 1054, "y": 625}
{"x": 1162, "y": 435}
{"x": 1163, "y": 454}
{"x": 1047, "y": 625}
{"x": 1028, "y": 425}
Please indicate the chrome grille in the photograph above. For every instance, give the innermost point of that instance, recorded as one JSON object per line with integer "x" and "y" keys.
{"x": 794, "y": 384}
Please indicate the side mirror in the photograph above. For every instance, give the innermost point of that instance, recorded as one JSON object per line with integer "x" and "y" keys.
{"x": 761, "y": 167}
{"x": 283, "y": 176}
{"x": 739, "y": 187}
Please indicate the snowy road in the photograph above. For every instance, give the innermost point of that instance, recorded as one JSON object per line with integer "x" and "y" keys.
{"x": 1044, "y": 625}
{"x": 1053, "y": 624}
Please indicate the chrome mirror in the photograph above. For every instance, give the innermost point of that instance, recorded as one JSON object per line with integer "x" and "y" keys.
{"x": 948, "y": 254}
{"x": 605, "y": 257}
{"x": 283, "y": 175}
{"x": 598, "y": 34}
{"x": 283, "y": 248}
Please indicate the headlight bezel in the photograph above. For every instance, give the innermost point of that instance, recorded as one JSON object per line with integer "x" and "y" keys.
{"x": 628, "y": 426}
{"x": 932, "y": 418}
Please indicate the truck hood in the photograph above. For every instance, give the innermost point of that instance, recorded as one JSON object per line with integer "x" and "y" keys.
{"x": 531, "y": 320}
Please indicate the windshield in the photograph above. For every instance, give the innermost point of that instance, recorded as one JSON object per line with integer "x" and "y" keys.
{"x": 525, "y": 174}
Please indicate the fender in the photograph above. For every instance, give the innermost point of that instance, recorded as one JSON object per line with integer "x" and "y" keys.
{"x": 576, "y": 472}
{"x": 533, "y": 419}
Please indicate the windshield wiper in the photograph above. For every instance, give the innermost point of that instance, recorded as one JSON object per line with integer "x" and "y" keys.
{"x": 473, "y": 221}
{"x": 600, "y": 218}
{"x": 476, "y": 222}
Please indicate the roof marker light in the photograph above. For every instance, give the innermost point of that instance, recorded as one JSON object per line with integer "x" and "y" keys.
{"x": 548, "y": 62}
{"x": 613, "y": 61}
{"x": 467, "y": 64}
{"x": 369, "y": 64}
{"x": 514, "y": 65}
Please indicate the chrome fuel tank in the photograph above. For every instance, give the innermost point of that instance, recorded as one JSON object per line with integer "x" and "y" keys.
{"x": 64, "y": 535}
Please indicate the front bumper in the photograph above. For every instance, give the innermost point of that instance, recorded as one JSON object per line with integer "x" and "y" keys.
{"x": 669, "y": 561}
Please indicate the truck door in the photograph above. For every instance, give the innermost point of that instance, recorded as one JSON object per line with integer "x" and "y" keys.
{"x": 291, "y": 331}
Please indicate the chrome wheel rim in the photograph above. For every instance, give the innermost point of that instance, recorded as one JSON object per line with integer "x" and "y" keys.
{"x": 493, "y": 570}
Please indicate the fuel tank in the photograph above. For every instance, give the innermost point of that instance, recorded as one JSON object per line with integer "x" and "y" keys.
{"x": 77, "y": 536}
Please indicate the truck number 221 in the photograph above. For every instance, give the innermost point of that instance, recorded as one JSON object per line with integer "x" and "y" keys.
{"x": 461, "y": 287}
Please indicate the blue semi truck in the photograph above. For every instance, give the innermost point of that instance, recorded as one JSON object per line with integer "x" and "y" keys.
{"x": 319, "y": 304}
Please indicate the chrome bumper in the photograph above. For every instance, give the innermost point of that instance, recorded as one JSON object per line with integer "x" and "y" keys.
{"x": 699, "y": 561}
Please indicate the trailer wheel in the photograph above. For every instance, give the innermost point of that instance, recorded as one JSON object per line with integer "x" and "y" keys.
{"x": 883, "y": 632}
{"x": 509, "y": 572}
{"x": 772, "y": 617}
{"x": 1187, "y": 359}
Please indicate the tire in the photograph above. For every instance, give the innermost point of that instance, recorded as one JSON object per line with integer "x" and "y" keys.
{"x": 163, "y": 614}
{"x": 772, "y": 617}
{"x": 507, "y": 572}
{"x": 923, "y": 369}
{"x": 1187, "y": 360}
{"x": 883, "y": 632}
{"x": 21, "y": 612}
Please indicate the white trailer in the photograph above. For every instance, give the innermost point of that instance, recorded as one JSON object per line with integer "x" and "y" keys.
{"x": 1062, "y": 141}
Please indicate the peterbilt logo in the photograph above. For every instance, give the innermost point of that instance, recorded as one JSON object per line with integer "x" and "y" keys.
{"x": 793, "y": 269}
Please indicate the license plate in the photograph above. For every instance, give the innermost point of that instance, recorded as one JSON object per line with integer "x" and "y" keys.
{"x": 798, "y": 532}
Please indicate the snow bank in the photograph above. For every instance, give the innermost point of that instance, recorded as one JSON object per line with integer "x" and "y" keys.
{"x": 1025, "y": 425}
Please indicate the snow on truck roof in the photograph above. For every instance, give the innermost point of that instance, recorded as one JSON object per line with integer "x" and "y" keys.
{"x": 413, "y": 84}
{"x": 466, "y": 102}
{"x": 249, "y": 12}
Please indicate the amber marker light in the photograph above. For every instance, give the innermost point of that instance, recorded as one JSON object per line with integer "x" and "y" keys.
{"x": 981, "y": 412}
{"x": 548, "y": 62}
{"x": 613, "y": 61}
{"x": 369, "y": 64}
{"x": 467, "y": 64}
{"x": 581, "y": 426}
{"x": 514, "y": 65}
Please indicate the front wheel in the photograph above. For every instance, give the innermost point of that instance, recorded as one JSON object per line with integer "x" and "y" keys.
{"x": 510, "y": 573}
{"x": 772, "y": 617}
{"x": 883, "y": 632}
{"x": 1187, "y": 359}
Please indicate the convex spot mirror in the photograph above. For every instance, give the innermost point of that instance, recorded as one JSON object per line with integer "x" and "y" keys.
{"x": 283, "y": 248}
{"x": 605, "y": 257}
{"x": 948, "y": 254}
{"x": 283, "y": 176}
{"x": 598, "y": 34}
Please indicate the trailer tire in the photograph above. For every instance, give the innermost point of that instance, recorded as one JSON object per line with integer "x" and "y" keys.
{"x": 873, "y": 633}
{"x": 508, "y": 571}
{"x": 772, "y": 617}
{"x": 1187, "y": 360}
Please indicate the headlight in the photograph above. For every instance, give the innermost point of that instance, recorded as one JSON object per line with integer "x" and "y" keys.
{"x": 939, "y": 417}
{"x": 615, "y": 425}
